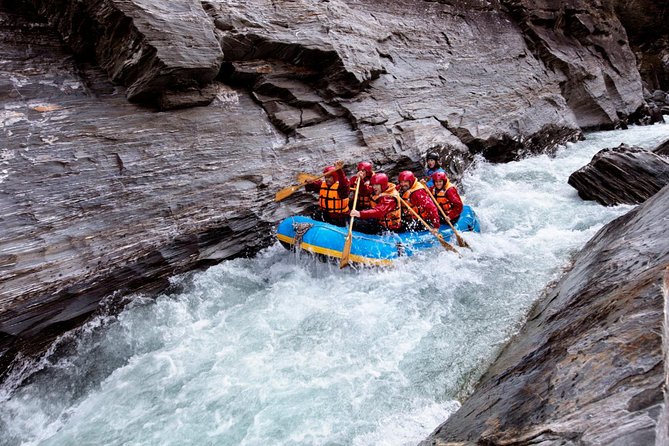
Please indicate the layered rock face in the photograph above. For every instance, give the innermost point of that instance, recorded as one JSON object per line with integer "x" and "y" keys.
{"x": 622, "y": 175}
{"x": 104, "y": 196}
{"x": 589, "y": 365}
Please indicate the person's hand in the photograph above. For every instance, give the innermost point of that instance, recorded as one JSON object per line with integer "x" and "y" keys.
{"x": 361, "y": 174}
{"x": 339, "y": 164}
{"x": 355, "y": 213}
{"x": 423, "y": 181}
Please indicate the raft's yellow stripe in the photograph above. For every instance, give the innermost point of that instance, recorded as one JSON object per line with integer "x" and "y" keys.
{"x": 285, "y": 238}
{"x": 334, "y": 253}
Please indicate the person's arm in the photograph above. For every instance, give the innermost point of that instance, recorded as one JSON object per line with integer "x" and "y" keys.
{"x": 365, "y": 188}
{"x": 384, "y": 206}
{"x": 343, "y": 183}
{"x": 456, "y": 203}
{"x": 314, "y": 186}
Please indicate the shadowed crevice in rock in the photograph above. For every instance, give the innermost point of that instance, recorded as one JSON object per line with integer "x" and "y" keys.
{"x": 622, "y": 175}
{"x": 647, "y": 25}
{"x": 286, "y": 92}
{"x": 547, "y": 140}
{"x": 663, "y": 149}
{"x": 297, "y": 80}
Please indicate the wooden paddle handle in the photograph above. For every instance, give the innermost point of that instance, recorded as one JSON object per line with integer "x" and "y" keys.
{"x": 432, "y": 230}
{"x": 461, "y": 241}
{"x": 436, "y": 203}
{"x": 346, "y": 252}
{"x": 290, "y": 190}
{"x": 415, "y": 214}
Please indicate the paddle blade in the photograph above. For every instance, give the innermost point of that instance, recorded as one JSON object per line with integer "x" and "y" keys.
{"x": 346, "y": 252}
{"x": 286, "y": 192}
{"x": 304, "y": 177}
{"x": 461, "y": 242}
{"x": 444, "y": 243}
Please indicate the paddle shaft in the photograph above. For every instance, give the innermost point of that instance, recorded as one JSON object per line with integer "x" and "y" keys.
{"x": 461, "y": 241}
{"x": 434, "y": 232}
{"x": 346, "y": 252}
{"x": 290, "y": 190}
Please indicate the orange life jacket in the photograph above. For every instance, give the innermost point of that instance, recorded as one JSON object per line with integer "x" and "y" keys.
{"x": 424, "y": 214}
{"x": 440, "y": 196}
{"x": 393, "y": 219}
{"x": 330, "y": 201}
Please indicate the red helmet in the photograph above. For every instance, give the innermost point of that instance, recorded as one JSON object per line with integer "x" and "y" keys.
{"x": 381, "y": 179}
{"x": 407, "y": 175}
{"x": 364, "y": 165}
{"x": 329, "y": 169}
{"x": 439, "y": 176}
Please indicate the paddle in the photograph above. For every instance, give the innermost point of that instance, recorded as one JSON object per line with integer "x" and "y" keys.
{"x": 303, "y": 177}
{"x": 434, "y": 232}
{"x": 290, "y": 190}
{"x": 346, "y": 252}
{"x": 461, "y": 242}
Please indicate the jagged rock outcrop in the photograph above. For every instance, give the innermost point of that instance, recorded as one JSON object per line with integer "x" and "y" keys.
{"x": 165, "y": 56}
{"x": 588, "y": 367}
{"x": 562, "y": 33}
{"x": 648, "y": 29}
{"x": 103, "y": 196}
{"x": 622, "y": 175}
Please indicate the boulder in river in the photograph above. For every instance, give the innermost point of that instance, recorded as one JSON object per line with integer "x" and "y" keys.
{"x": 622, "y": 175}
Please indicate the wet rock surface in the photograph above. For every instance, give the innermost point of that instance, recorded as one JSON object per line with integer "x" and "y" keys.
{"x": 662, "y": 149}
{"x": 102, "y": 196}
{"x": 589, "y": 365}
{"x": 622, "y": 175}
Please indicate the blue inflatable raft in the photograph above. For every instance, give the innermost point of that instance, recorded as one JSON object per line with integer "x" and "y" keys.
{"x": 328, "y": 240}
